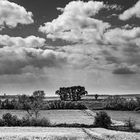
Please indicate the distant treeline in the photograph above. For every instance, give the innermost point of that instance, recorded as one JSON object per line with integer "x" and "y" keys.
{"x": 69, "y": 99}
{"x": 36, "y": 101}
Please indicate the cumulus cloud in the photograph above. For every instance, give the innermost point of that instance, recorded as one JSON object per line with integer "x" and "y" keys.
{"x": 12, "y": 14}
{"x": 27, "y": 55}
{"x": 19, "y": 59}
{"x": 76, "y": 23}
{"x": 97, "y": 45}
{"x": 131, "y": 12}
{"x": 28, "y": 42}
{"x": 123, "y": 36}
{"x": 125, "y": 69}
{"x": 123, "y": 45}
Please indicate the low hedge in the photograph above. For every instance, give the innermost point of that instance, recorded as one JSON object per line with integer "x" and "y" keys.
{"x": 12, "y": 120}
{"x": 64, "y": 105}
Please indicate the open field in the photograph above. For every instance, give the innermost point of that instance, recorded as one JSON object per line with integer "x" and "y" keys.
{"x": 77, "y": 116}
{"x": 32, "y": 133}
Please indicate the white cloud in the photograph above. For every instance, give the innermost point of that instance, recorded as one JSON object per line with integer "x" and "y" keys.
{"x": 122, "y": 46}
{"x": 22, "y": 54}
{"x": 76, "y": 23}
{"x": 11, "y": 14}
{"x": 97, "y": 48}
{"x": 122, "y": 36}
{"x": 28, "y": 42}
{"x": 131, "y": 12}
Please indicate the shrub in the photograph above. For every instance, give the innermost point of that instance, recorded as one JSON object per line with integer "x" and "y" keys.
{"x": 25, "y": 121}
{"x": 9, "y": 120}
{"x": 130, "y": 124}
{"x": 35, "y": 122}
{"x": 102, "y": 119}
{"x": 39, "y": 122}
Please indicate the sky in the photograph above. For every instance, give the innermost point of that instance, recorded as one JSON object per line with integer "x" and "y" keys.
{"x": 48, "y": 44}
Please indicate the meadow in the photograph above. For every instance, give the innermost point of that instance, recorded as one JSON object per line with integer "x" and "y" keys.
{"x": 77, "y": 116}
{"x": 58, "y": 116}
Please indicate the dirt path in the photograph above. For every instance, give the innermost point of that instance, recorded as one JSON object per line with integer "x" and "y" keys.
{"x": 91, "y": 136}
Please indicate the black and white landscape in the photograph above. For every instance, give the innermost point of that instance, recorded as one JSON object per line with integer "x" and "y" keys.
{"x": 70, "y": 69}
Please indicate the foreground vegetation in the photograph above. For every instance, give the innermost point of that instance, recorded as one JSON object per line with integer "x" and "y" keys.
{"x": 101, "y": 120}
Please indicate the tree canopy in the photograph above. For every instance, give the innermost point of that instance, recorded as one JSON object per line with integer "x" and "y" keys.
{"x": 73, "y": 93}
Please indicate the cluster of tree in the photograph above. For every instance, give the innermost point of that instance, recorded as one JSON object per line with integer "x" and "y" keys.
{"x": 73, "y": 93}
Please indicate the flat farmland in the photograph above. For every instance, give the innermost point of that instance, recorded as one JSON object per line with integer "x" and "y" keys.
{"x": 59, "y": 116}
